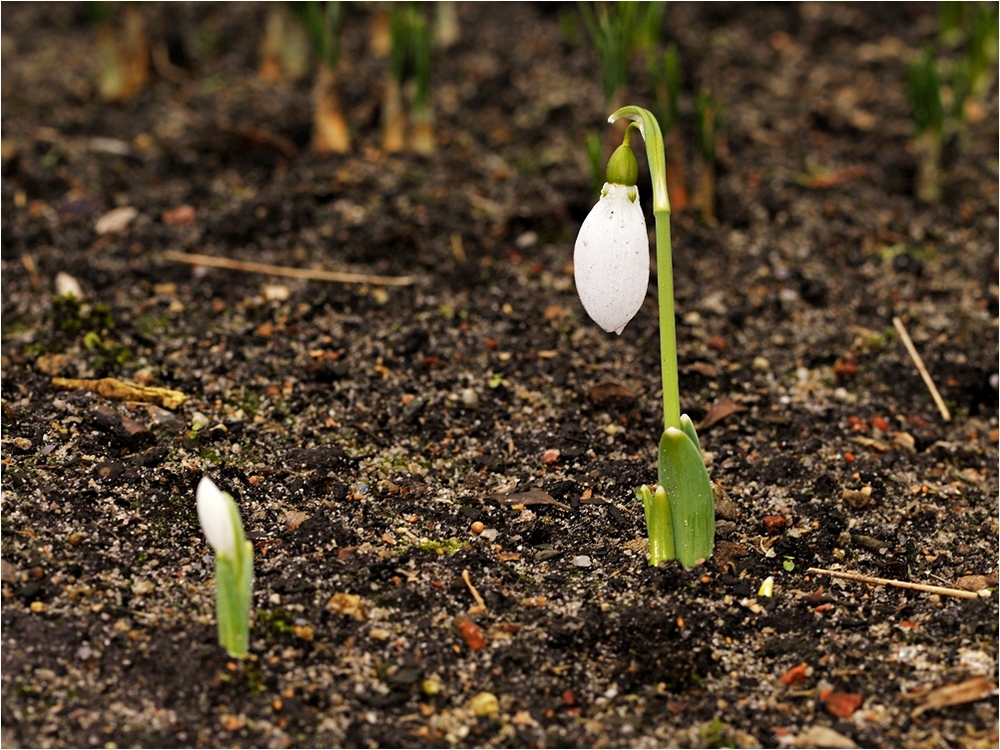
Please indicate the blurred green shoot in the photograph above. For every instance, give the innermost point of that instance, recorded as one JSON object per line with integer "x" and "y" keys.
{"x": 595, "y": 158}
{"x": 122, "y": 50}
{"x": 928, "y": 113}
{"x": 284, "y": 50}
{"x": 709, "y": 114}
{"x": 614, "y": 30}
{"x": 446, "y": 30}
{"x": 409, "y": 66}
{"x": 322, "y": 20}
{"x": 422, "y": 117}
{"x": 665, "y": 75}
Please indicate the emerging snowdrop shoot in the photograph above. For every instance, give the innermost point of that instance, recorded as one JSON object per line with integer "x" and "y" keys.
{"x": 612, "y": 272}
{"x": 220, "y": 520}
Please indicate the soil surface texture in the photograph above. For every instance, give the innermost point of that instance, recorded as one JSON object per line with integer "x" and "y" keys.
{"x": 438, "y": 477}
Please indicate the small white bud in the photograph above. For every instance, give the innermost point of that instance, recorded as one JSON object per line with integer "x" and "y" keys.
{"x": 611, "y": 258}
{"x": 216, "y": 511}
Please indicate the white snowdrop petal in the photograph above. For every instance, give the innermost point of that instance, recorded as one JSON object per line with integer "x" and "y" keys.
{"x": 216, "y": 518}
{"x": 611, "y": 258}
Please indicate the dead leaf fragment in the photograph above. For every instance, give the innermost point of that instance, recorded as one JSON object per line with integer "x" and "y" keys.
{"x": 973, "y": 689}
{"x": 820, "y": 736}
{"x": 348, "y": 605}
{"x": 722, "y": 408}
{"x": 531, "y": 497}
{"x": 606, "y": 394}
{"x": 122, "y": 391}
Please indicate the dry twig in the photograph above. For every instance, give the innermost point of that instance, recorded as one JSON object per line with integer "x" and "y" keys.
{"x": 908, "y": 343}
{"x": 926, "y": 588}
{"x": 295, "y": 273}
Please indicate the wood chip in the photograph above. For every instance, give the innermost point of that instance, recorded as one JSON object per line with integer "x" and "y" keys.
{"x": 122, "y": 391}
{"x": 973, "y": 689}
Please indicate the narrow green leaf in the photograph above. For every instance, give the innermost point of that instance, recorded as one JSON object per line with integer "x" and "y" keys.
{"x": 683, "y": 476}
{"x": 688, "y": 427}
{"x": 659, "y": 524}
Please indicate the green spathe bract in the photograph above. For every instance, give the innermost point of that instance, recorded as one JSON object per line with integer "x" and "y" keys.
{"x": 680, "y": 513}
{"x": 220, "y": 520}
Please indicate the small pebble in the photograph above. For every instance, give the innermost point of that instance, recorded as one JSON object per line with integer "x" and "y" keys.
{"x": 470, "y": 397}
{"x": 115, "y": 220}
{"x": 489, "y": 534}
{"x": 478, "y": 527}
{"x": 67, "y": 286}
{"x": 761, "y": 364}
{"x": 198, "y": 420}
{"x": 484, "y": 705}
{"x": 582, "y": 561}
{"x": 37, "y": 607}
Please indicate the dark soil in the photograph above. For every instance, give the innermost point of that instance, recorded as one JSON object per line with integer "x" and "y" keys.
{"x": 363, "y": 430}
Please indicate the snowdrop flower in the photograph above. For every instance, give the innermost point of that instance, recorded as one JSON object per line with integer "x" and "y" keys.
{"x": 611, "y": 257}
{"x": 215, "y": 511}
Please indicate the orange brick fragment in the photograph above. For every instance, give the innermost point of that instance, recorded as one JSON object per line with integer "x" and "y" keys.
{"x": 843, "y": 704}
{"x": 796, "y": 675}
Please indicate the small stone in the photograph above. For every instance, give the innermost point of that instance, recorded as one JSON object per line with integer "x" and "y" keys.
{"x": 469, "y": 396}
{"x": 430, "y": 686}
{"x": 67, "y": 286}
{"x": 761, "y": 364}
{"x": 37, "y": 607}
{"x": 179, "y": 216}
{"x": 115, "y": 220}
{"x": 22, "y": 443}
{"x": 484, "y": 705}
{"x": 143, "y": 587}
{"x": 489, "y": 535}
{"x": 275, "y": 292}
{"x": 582, "y": 561}
{"x": 551, "y": 455}
{"x": 477, "y": 527}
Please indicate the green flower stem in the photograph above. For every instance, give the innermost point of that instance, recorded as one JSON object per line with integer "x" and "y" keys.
{"x": 656, "y": 156}
{"x": 668, "y": 331}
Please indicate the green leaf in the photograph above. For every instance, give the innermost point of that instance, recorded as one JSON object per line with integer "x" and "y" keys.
{"x": 685, "y": 480}
{"x": 659, "y": 524}
{"x": 688, "y": 427}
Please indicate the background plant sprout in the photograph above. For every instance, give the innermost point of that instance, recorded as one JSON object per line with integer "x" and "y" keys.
{"x": 284, "y": 50}
{"x": 122, "y": 50}
{"x": 709, "y": 112}
{"x": 680, "y": 513}
{"x": 928, "y": 121}
{"x": 665, "y": 75}
{"x": 322, "y": 20}
{"x": 410, "y": 54}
